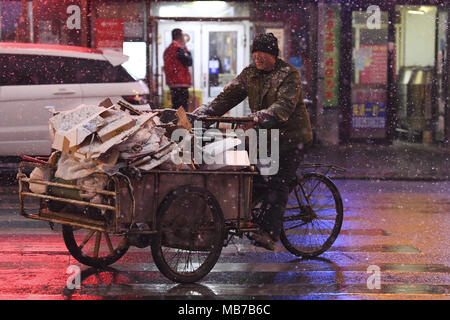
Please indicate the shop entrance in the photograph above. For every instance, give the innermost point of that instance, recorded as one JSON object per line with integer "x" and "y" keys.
{"x": 219, "y": 51}
{"x": 398, "y": 88}
{"x": 369, "y": 76}
{"x": 421, "y": 41}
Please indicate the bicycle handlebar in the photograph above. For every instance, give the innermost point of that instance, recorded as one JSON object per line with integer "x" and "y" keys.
{"x": 228, "y": 119}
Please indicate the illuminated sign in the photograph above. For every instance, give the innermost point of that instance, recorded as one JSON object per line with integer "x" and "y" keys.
{"x": 331, "y": 55}
{"x": 369, "y": 115}
{"x": 369, "y": 109}
{"x": 109, "y": 34}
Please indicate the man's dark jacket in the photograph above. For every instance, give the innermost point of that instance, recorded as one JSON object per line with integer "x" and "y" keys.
{"x": 278, "y": 92}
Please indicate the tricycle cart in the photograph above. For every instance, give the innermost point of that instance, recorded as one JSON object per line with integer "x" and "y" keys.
{"x": 186, "y": 217}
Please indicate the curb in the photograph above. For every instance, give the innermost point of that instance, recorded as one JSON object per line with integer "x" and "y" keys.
{"x": 390, "y": 178}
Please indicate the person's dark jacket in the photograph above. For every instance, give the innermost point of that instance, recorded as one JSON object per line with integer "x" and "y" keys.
{"x": 278, "y": 92}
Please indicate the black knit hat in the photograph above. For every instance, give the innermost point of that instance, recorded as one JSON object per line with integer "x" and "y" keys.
{"x": 266, "y": 42}
{"x": 177, "y": 33}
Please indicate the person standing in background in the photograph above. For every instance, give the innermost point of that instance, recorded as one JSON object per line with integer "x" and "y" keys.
{"x": 177, "y": 60}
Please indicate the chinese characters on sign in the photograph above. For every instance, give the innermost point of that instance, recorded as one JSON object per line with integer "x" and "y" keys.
{"x": 366, "y": 113}
{"x": 331, "y": 55}
{"x": 376, "y": 70}
{"x": 370, "y": 76}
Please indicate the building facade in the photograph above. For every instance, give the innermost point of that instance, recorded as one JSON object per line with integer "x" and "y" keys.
{"x": 373, "y": 71}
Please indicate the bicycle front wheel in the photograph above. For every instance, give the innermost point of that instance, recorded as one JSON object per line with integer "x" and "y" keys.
{"x": 313, "y": 216}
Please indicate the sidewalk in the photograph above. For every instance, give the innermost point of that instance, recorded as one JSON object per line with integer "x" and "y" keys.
{"x": 399, "y": 161}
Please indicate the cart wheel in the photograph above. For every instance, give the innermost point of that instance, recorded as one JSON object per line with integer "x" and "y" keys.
{"x": 94, "y": 248}
{"x": 313, "y": 216}
{"x": 190, "y": 234}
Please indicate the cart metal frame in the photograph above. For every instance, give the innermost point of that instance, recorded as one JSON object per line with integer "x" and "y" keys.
{"x": 132, "y": 203}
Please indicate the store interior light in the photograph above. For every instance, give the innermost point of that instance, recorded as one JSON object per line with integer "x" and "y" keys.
{"x": 426, "y": 9}
{"x": 196, "y": 9}
{"x": 416, "y": 12}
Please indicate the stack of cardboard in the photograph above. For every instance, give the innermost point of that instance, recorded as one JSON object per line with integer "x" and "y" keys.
{"x": 106, "y": 138}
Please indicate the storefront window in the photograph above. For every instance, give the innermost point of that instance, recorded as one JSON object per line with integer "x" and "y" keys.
{"x": 136, "y": 64}
{"x": 369, "y": 76}
{"x": 125, "y": 18}
{"x": 222, "y": 61}
{"x": 121, "y": 26}
{"x": 10, "y": 12}
{"x": 415, "y": 32}
{"x": 441, "y": 74}
{"x": 58, "y": 22}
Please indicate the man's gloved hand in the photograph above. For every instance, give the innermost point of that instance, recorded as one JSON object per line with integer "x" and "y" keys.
{"x": 200, "y": 114}
{"x": 264, "y": 118}
{"x": 201, "y": 111}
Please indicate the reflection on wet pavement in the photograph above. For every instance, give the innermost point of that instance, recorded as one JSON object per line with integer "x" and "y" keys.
{"x": 401, "y": 228}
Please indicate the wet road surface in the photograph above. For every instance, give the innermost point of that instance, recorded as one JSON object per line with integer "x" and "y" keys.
{"x": 393, "y": 245}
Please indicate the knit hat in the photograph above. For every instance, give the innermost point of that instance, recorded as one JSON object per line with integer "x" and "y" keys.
{"x": 266, "y": 42}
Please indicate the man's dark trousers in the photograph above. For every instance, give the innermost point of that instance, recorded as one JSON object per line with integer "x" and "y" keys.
{"x": 278, "y": 186}
{"x": 180, "y": 97}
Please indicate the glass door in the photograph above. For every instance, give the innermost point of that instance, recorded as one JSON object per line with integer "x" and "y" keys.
{"x": 223, "y": 59}
{"x": 420, "y": 43}
{"x": 218, "y": 52}
{"x": 369, "y": 76}
{"x": 441, "y": 74}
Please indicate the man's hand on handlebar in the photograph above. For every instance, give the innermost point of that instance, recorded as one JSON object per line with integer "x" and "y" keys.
{"x": 245, "y": 125}
{"x": 263, "y": 119}
{"x": 260, "y": 119}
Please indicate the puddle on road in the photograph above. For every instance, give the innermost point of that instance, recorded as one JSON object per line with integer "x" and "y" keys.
{"x": 378, "y": 248}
